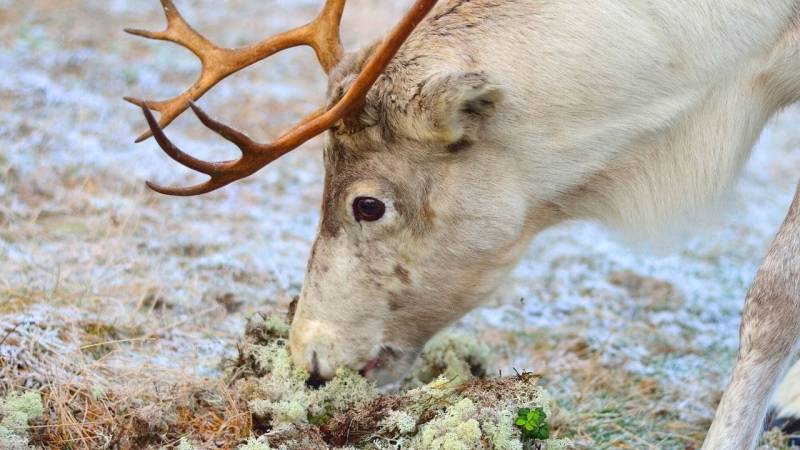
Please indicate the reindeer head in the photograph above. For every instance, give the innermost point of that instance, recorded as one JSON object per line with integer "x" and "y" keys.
{"x": 416, "y": 227}
{"x": 403, "y": 247}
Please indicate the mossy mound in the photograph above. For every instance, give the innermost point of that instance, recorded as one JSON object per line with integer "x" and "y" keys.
{"x": 445, "y": 404}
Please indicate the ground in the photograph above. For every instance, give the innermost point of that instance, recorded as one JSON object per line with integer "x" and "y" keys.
{"x": 109, "y": 292}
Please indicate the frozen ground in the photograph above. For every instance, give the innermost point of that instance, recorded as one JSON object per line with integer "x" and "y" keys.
{"x": 105, "y": 286}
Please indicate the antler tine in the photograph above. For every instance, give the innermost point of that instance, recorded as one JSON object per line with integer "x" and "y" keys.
{"x": 322, "y": 34}
{"x": 173, "y": 151}
{"x": 256, "y": 155}
{"x": 327, "y": 37}
{"x": 179, "y": 32}
{"x": 220, "y": 173}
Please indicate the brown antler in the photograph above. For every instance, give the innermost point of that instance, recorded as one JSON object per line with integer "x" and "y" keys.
{"x": 255, "y": 155}
{"x": 321, "y": 34}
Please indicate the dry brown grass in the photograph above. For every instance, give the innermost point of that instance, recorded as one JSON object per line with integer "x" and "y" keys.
{"x": 205, "y": 412}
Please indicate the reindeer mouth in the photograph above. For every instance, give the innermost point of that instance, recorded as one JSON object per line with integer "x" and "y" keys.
{"x": 369, "y": 370}
{"x": 385, "y": 356}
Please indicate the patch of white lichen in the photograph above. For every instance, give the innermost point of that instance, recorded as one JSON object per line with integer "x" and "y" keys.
{"x": 17, "y": 411}
{"x": 445, "y": 404}
{"x": 454, "y": 355}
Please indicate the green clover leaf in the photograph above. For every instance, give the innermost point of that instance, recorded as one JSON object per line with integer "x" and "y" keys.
{"x": 533, "y": 423}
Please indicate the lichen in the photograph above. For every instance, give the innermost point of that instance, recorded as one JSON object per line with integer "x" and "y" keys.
{"x": 280, "y": 394}
{"x": 502, "y": 433}
{"x": 345, "y": 390}
{"x": 17, "y": 410}
{"x": 401, "y": 422}
{"x": 455, "y": 429}
{"x": 184, "y": 444}
{"x": 255, "y": 444}
{"x": 456, "y": 356}
{"x": 445, "y": 404}
{"x": 774, "y": 439}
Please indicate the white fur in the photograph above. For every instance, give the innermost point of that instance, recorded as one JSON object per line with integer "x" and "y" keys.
{"x": 786, "y": 400}
{"x": 636, "y": 113}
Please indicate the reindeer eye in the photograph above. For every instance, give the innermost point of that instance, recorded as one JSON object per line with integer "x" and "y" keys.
{"x": 368, "y": 209}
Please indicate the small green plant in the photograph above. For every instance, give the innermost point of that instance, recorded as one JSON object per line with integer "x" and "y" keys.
{"x": 533, "y": 423}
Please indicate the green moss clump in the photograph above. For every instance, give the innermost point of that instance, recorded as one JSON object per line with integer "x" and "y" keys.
{"x": 16, "y": 412}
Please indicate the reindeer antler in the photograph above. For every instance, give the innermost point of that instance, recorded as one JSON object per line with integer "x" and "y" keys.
{"x": 322, "y": 35}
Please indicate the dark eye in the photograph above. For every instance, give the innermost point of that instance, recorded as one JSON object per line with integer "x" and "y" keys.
{"x": 368, "y": 209}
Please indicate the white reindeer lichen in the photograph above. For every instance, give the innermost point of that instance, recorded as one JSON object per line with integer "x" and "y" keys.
{"x": 17, "y": 410}
{"x": 443, "y": 405}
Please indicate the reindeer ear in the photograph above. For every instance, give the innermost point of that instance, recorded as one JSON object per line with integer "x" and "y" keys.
{"x": 454, "y": 106}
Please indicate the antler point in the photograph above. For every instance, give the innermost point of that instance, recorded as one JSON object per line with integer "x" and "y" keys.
{"x": 134, "y": 101}
{"x": 143, "y": 137}
{"x": 157, "y": 188}
{"x": 145, "y": 33}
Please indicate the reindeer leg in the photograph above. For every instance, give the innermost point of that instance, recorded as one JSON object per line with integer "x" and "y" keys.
{"x": 768, "y": 340}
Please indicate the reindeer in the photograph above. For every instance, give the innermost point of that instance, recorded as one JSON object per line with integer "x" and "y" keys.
{"x": 475, "y": 124}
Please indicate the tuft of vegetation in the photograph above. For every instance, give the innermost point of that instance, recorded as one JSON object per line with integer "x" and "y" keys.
{"x": 255, "y": 444}
{"x": 17, "y": 411}
{"x": 453, "y": 355}
{"x": 445, "y": 404}
{"x": 277, "y": 388}
{"x": 775, "y": 439}
{"x": 533, "y": 423}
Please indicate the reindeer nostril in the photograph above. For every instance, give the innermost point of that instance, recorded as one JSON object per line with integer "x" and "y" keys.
{"x": 315, "y": 381}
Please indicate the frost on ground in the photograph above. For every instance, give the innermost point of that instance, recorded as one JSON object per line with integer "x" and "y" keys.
{"x": 115, "y": 302}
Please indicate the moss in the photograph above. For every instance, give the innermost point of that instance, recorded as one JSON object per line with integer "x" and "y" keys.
{"x": 17, "y": 411}
{"x": 98, "y": 393}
